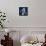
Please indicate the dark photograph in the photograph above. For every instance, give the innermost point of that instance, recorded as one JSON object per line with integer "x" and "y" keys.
{"x": 23, "y": 11}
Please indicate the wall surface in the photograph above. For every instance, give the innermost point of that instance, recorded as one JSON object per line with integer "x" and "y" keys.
{"x": 35, "y": 18}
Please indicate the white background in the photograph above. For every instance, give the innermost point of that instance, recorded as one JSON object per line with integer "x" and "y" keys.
{"x": 36, "y": 17}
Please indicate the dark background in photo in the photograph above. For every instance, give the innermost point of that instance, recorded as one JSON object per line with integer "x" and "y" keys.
{"x": 23, "y": 11}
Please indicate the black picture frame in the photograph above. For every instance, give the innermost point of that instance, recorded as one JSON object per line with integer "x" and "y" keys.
{"x": 23, "y": 11}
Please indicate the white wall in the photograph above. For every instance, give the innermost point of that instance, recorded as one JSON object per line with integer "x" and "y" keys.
{"x": 36, "y": 17}
{"x": 38, "y": 13}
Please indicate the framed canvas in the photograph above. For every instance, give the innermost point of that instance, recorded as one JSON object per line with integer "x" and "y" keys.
{"x": 23, "y": 11}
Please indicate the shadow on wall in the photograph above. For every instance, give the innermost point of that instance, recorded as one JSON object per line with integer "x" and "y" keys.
{"x": 16, "y": 43}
